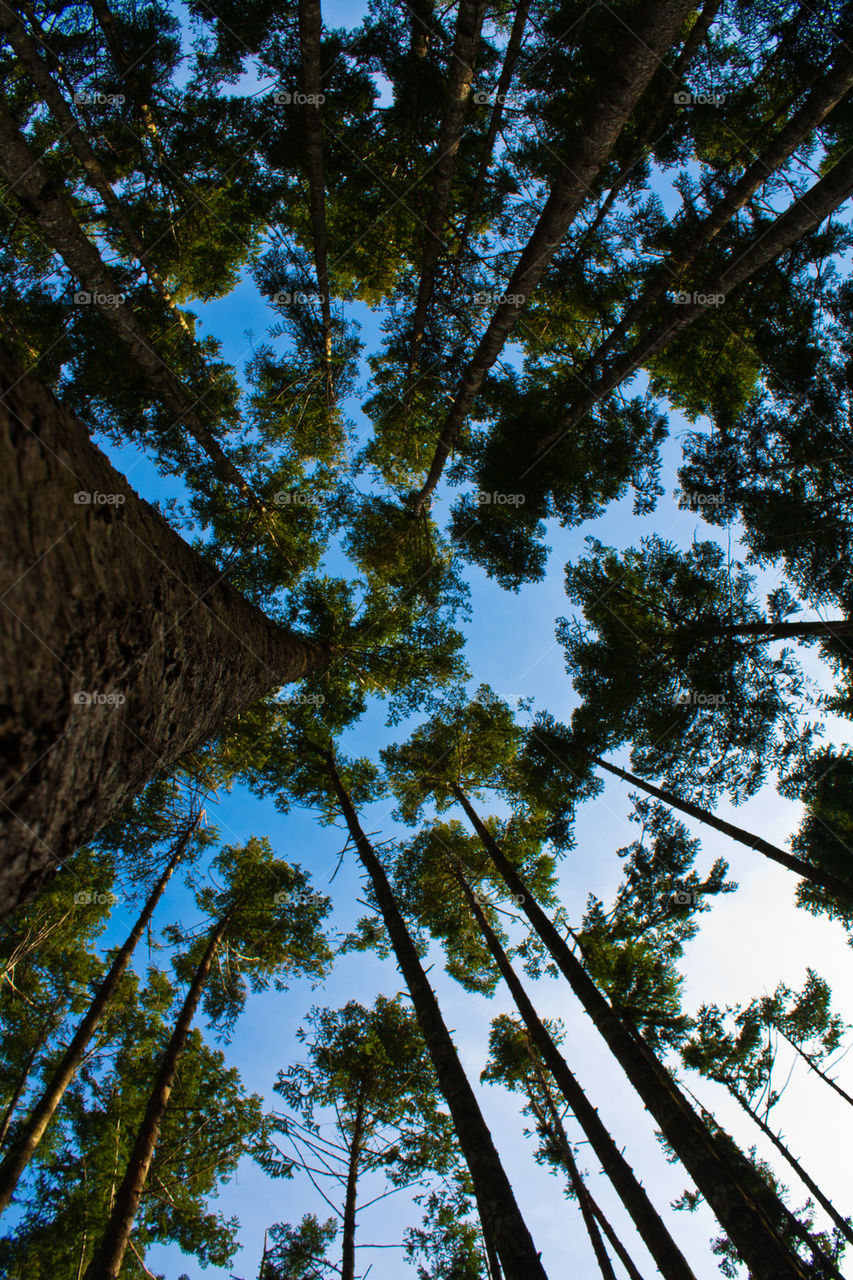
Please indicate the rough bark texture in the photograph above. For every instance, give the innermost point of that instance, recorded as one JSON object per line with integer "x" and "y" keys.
{"x": 49, "y": 208}
{"x": 103, "y": 599}
{"x": 107, "y": 1261}
{"x": 843, "y": 892}
{"x": 803, "y": 215}
{"x": 40, "y": 1117}
{"x": 348, "y": 1249}
{"x": 634, "y": 64}
{"x": 744, "y": 1205}
{"x": 651, "y": 1227}
{"x": 502, "y": 1217}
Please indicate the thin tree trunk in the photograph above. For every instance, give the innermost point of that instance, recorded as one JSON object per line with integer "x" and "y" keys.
{"x": 828, "y": 93}
{"x": 348, "y": 1250}
{"x": 27, "y": 50}
{"x": 41, "y": 1115}
{"x": 469, "y": 23}
{"x": 554, "y": 1126}
{"x": 493, "y": 1266}
{"x": 825, "y": 1203}
{"x": 103, "y": 600}
{"x": 618, "y": 1247}
{"x": 422, "y": 13}
{"x": 513, "y": 48}
{"x": 107, "y": 1260}
{"x": 106, "y": 22}
{"x": 46, "y": 203}
{"x": 652, "y": 32}
{"x": 653, "y": 1231}
{"x": 18, "y": 1091}
{"x": 801, "y": 217}
{"x": 743, "y": 1203}
{"x": 816, "y": 1069}
{"x": 310, "y": 43}
{"x": 838, "y": 888}
{"x": 502, "y": 1217}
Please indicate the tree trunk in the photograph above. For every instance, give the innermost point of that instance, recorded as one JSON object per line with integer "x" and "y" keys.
{"x": 653, "y": 29}
{"x": 843, "y": 892}
{"x": 814, "y": 1190}
{"x": 348, "y": 1251}
{"x": 501, "y": 1214}
{"x": 98, "y": 598}
{"x": 310, "y": 44}
{"x": 824, "y": 1077}
{"x": 653, "y": 1231}
{"x": 27, "y": 50}
{"x": 106, "y": 22}
{"x": 801, "y": 217}
{"x": 18, "y": 1091}
{"x": 46, "y": 203}
{"x": 743, "y": 1203}
{"x": 109, "y": 1254}
{"x": 33, "y": 1131}
{"x": 493, "y": 1266}
{"x": 466, "y": 40}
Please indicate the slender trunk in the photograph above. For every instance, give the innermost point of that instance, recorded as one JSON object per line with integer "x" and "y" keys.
{"x": 310, "y": 44}
{"x": 469, "y": 23}
{"x": 493, "y": 1266}
{"x": 513, "y": 48}
{"x": 618, "y": 1247}
{"x": 40, "y": 1117}
{"x": 829, "y": 91}
{"x": 553, "y": 1125}
{"x": 122, "y": 649}
{"x": 106, "y": 22}
{"x": 107, "y": 1260}
{"x": 18, "y": 1091}
{"x": 45, "y": 201}
{"x": 652, "y": 31}
{"x": 814, "y": 1190}
{"x": 501, "y": 1214}
{"x": 348, "y": 1251}
{"x": 744, "y": 1205}
{"x": 422, "y": 13}
{"x": 801, "y": 217}
{"x": 27, "y": 50}
{"x": 838, "y": 888}
{"x": 824, "y": 1077}
{"x": 653, "y": 1231}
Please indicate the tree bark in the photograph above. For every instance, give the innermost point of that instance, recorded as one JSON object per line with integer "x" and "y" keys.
{"x": 744, "y": 1205}
{"x": 310, "y": 44}
{"x": 109, "y": 1254}
{"x": 46, "y": 203}
{"x": 17, "y": 1093}
{"x": 27, "y": 50}
{"x": 502, "y": 1216}
{"x": 105, "y": 20}
{"x": 104, "y": 599}
{"x": 653, "y": 1231}
{"x": 40, "y": 1117}
{"x": 802, "y": 216}
{"x": 348, "y": 1250}
{"x": 634, "y": 64}
{"x": 843, "y": 892}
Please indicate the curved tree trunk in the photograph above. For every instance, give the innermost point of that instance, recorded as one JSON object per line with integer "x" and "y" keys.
{"x": 637, "y": 59}
{"x": 843, "y": 892}
{"x": 41, "y": 1115}
{"x": 107, "y": 1261}
{"x": 122, "y": 649}
{"x": 501, "y": 1214}
{"x": 744, "y": 1205}
{"x": 652, "y": 1230}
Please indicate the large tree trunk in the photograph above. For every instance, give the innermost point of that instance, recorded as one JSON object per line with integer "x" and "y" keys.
{"x": 801, "y": 217}
{"x": 502, "y": 1217}
{"x": 348, "y": 1247}
{"x": 109, "y": 1254}
{"x": 745, "y": 1206}
{"x": 838, "y": 888}
{"x": 652, "y": 32}
{"x": 40, "y": 1117}
{"x": 310, "y": 45}
{"x": 653, "y": 1231}
{"x": 27, "y": 50}
{"x": 46, "y": 203}
{"x": 103, "y": 601}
